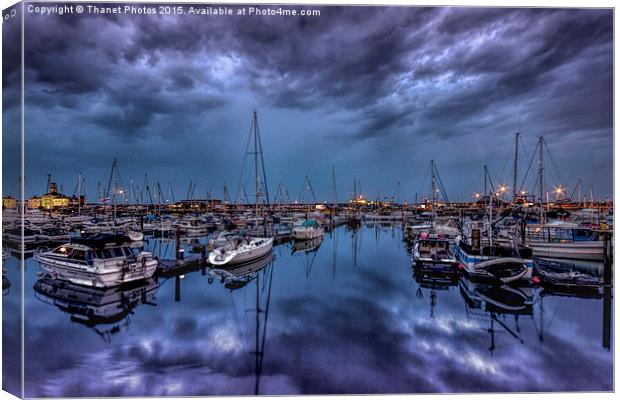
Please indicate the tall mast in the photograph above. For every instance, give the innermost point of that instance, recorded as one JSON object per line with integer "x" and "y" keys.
{"x": 485, "y": 180}
{"x": 541, "y": 180}
{"x": 80, "y": 193}
{"x": 433, "y": 185}
{"x": 516, "y": 164}
{"x": 335, "y": 200}
{"x": 132, "y": 194}
{"x": 489, "y": 206}
{"x": 254, "y": 123}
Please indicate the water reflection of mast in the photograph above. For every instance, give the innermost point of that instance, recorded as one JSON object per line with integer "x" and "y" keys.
{"x": 606, "y": 297}
{"x": 260, "y": 341}
{"x": 354, "y": 248}
{"x": 607, "y": 317}
{"x": 335, "y": 247}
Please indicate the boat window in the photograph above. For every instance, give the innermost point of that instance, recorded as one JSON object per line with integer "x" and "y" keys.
{"x": 78, "y": 255}
{"x": 129, "y": 252}
{"x": 565, "y": 234}
{"x": 107, "y": 253}
{"x": 118, "y": 252}
{"x": 64, "y": 250}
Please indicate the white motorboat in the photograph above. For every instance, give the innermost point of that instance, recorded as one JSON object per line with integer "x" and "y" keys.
{"x": 192, "y": 226}
{"x": 561, "y": 239}
{"x": 309, "y": 229}
{"x": 100, "y": 261}
{"x": 240, "y": 249}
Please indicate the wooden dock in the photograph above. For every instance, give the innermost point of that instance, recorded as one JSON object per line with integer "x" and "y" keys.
{"x": 171, "y": 268}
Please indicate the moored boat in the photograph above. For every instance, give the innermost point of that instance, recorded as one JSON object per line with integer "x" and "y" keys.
{"x": 239, "y": 249}
{"x": 99, "y": 261}
{"x": 434, "y": 252}
{"x": 309, "y": 229}
{"x": 560, "y": 239}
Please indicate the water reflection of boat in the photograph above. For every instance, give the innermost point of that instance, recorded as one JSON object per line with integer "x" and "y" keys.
{"x": 6, "y": 254}
{"x": 239, "y": 275}
{"x": 494, "y": 303}
{"x": 430, "y": 279}
{"x": 96, "y": 307}
{"x": 504, "y": 299}
{"x": 307, "y": 246}
{"x": 567, "y": 273}
{"x": 6, "y": 284}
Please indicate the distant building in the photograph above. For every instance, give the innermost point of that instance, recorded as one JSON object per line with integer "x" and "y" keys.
{"x": 34, "y": 202}
{"x": 9, "y": 202}
{"x": 194, "y": 205}
{"x": 50, "y": 200}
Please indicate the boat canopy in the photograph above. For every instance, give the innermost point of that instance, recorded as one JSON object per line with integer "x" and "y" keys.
{"x": 310, "y": 223}
{"x": 102, "y": 240}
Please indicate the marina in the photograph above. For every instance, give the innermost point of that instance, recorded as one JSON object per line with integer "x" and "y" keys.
{"x": 195, "y": 327}
{"x": 307, "y": 200}
{"x": 470, "y": 288}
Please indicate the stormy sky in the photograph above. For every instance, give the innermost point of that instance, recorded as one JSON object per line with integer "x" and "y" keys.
{"x": 376, "y": 92}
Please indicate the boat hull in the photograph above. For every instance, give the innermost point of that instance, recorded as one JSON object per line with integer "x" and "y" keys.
{"x": 470, "y": 262}
{"x": 88, "y": 275}
{"x": 307, "y": 234}
{"x": 239, "y": 257}
{"x": 574, "y": 250}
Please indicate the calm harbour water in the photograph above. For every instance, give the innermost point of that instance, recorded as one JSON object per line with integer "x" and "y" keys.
{"x": 350, "y": 317}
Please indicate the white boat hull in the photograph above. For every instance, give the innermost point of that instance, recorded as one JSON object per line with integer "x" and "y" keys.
{"x": 300, "y": 233}
{"x": 573, "y": 250}
{"x": 222, "y": 257}
{"x": 112, "y": 274}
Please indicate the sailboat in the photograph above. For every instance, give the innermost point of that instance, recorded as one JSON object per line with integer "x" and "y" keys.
{"x": 242, "y": 249}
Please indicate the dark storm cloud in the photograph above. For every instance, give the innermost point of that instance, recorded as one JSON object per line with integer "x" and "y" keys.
{"x": 393, "y": 74}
